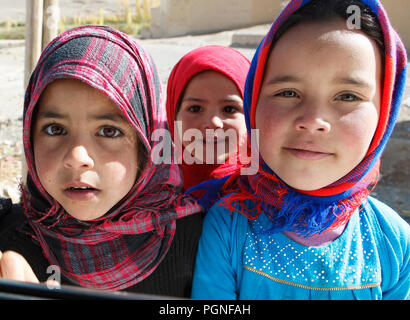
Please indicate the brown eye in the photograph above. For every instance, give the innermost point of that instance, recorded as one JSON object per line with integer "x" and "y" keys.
{"x": 109, "y": 132}
{"x": 195, "y": 109}
{"x": 54, "y": 130}
{"x": 230, "y": 109}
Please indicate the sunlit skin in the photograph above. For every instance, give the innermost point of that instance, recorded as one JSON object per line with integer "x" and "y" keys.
{"x": 212, "y": 101}
{"x": 319, "y": 103}
{"x": 85, "y": 150}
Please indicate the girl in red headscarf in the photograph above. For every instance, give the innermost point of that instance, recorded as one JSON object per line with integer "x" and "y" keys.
{"x": 205, "y": 111}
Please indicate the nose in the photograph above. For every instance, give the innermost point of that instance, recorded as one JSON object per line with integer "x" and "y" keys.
{"x": 78, "y": 158}
{"x": 214, "y": 122}
{"x": 312, "y": 120}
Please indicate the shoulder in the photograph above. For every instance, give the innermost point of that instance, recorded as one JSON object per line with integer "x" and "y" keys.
{"x": 390, "y": 232}
{"x": 10, "y": 214}
{"x": 5, "y": 206}
{"x": 15, "y": 235}
{"x": 188, "y": 229}
{"x": 390, "y": 224}
{"x": 12, "y": 223}
{"x": 191, "y": 220}
{"x": 225, "y": 209}
{"x": 392, "y": 236}
{"x": 226, "y": 217}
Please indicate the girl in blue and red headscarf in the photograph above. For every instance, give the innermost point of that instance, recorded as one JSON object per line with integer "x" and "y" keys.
{"x": 96, "y": 204}
{"x": 205, "y": 92}
{"x": 324, "y": 91}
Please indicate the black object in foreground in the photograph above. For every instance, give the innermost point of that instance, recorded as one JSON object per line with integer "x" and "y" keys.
{"x": 17, "y": 290}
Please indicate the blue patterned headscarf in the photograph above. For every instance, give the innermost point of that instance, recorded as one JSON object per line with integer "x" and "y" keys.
{"x": 311, "y": 212}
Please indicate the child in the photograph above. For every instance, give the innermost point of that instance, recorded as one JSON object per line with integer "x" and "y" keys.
{"x": 95, "y": 204}
{"x": 324, "y": 98}
{"x": 205, "y": 91}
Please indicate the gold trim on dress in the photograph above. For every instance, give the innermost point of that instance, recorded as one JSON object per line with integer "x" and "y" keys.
{"x": 363, "y": 286}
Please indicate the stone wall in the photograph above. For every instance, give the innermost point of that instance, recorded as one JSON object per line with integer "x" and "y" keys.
{"x": 182, "y": 17}
{"x": 399, "y": 13}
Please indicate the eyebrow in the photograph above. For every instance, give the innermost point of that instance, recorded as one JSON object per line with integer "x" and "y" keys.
{"x": 283, "y": 79}
{"x": 105, "y": 116}
{"x": 356, "y": 81}
{"x": 109, "y": 116}
{"x": 353, "y": 81}
{"x": 192, "y": 99}
{"x": 51, "y": 115}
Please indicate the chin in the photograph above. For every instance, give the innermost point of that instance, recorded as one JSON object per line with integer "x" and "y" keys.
{"x": 85, "y": 213}
{"x": 307, "y": 188}
{"x": 305, "y": 184}
{"x": 306, "y": 180}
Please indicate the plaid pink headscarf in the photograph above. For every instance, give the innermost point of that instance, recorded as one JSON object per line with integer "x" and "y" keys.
{"x": 124, "y": 246}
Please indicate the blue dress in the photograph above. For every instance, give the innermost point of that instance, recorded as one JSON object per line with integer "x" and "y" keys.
{"x": 238, "y": 259}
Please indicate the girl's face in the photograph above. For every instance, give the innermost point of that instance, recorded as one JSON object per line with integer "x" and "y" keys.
{"x": 212, "y": 101}
{"x": 85, "y": 150}
{"x": 319, "y": 103}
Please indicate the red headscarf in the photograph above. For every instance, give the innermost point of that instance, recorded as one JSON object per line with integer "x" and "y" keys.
{"x": 228, "y": 62}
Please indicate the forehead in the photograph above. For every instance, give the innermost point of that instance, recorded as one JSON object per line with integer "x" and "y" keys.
{"x": 61, "y": 88}
{"x": 70, "y": 95}
{"x": 328, "y": 45}
{"x": 211, "y": 86}
{"x": 212, "y": 81}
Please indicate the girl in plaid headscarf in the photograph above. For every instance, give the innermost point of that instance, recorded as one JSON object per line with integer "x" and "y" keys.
{"x": 96, "y": 202}
{"x": 324, "y": 91}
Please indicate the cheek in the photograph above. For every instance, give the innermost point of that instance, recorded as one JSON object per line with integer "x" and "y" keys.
{"x": 46, "y": 162}
{"x": 119, "y": 176}
{"x": 181, "y": 124}
{"x": 357, "y": 130}
{"x": 239, "y": 125}
{"x": 121, "y": 166}
{"x": 183, "y": 129}
{"x": 125, "y": 163}
{"x": 120, "y": 172}
{"x": 271, "y": 128}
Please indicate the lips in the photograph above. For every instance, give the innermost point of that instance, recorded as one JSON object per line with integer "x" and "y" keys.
{"x": 79, "y": 191}
{"x": 308, "y": 152}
